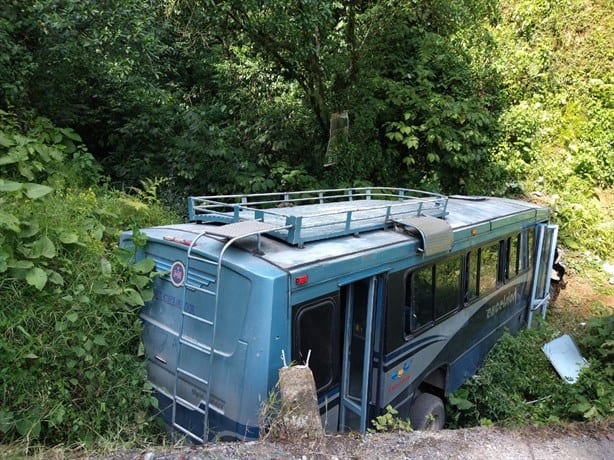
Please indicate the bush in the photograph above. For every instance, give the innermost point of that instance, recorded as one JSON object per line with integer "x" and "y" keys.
{"x": 518, "y": 385}
{"x": 557, "y": 131}
{"x": 70, "y": 330}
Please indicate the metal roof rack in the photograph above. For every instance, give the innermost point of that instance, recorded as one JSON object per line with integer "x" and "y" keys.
{"x": 319, "y": 214}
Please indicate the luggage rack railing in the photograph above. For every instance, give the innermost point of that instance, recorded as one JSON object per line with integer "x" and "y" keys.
{"x": 319, "y": 214}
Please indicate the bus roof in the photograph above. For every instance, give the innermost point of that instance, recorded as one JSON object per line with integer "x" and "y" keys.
{"x": 469, "y": 218}
{"x": 487, "y": 217}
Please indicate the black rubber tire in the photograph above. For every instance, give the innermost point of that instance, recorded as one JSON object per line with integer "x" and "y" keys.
{"x": 427, "y": 413}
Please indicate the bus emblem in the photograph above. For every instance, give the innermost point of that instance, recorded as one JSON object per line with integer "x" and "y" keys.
{"x": 177, "y": 274}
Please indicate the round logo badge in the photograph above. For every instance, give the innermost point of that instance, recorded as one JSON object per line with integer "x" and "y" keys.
{"x": 177, "y": 273}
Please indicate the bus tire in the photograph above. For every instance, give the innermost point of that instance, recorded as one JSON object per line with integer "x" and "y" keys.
{"x": 427, "y": 413}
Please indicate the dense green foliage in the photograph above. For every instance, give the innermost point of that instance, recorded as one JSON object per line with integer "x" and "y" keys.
{"x": 70, "y": 332}
{"x": 518, "y": 385}
{"x": 217, "y": 95}
{"x": 558, "y": 127}
{"x": 224, "y": 96}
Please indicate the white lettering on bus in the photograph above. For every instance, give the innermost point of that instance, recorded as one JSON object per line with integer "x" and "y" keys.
{"x": 506, "y": 301}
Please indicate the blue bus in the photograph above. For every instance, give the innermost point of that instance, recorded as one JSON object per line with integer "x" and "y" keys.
{"x": 396, "y": 294}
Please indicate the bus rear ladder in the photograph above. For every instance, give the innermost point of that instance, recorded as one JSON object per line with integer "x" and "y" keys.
{"x": 202, "y": 373}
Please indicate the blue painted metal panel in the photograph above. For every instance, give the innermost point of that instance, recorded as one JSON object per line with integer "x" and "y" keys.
{"x": 222, "y": 427}
{"x": 246, "y": 353}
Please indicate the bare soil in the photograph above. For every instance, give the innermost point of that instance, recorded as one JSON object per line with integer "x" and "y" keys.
{"x": 574, "y": 442}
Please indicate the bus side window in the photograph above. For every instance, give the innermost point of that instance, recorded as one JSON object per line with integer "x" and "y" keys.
{"x": 472, "y": 276}
{"x": 512, "y": 267}
{"x": 419, "y": 299}
{"x": 447, "y": 286}
{"x": 531, "y": 247}
{"x": 488, "y": 269}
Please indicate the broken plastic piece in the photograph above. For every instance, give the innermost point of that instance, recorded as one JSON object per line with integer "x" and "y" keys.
{"x": 564, "y": 355}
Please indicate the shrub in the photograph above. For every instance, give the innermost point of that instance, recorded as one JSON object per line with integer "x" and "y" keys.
{"x": 518, "y": 385}
{"x": 70, "y": 329}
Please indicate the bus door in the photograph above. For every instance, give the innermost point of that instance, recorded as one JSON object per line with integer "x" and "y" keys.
{"x": 545, "y": 246}
{"x": 363, "y": 301}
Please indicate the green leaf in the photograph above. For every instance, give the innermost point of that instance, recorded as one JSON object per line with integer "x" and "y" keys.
{"x": 99, "y": 233}
{"x": 101, "y": 287}
{"x": 16, "y": 155}
{"x": 105, "y": 266}
{"x": 9, "y": 221}
{"x": 29, "y": 229}
{"x": 132, "y": 298}
{"x": 100, "y": 340}
{"x": 591, "y": 413}
{"x": 581, "y": 407}
{"x": 6, "y": 141}
{"x": 6, "y": 419}
{"x": 55, "y": 277}
{"x": 36, "y": 277}
{"x": 140, "y": 281}
{"x": 139, "y": 239}
{"x": 79, "y": 351}
{"x": 10, "y": 186}
{"x": 144, "y": 266}
{"x": 43, "y": 151}
{"x": 432, "y": 157}
{"x": 411, "y": 142}
{"x": 72, "y": 316}
{"x": 460, "y": 403}
{"x": 571, "y": 243}
{"x": 147, "y": 294}
{"x": 43, "y": 247}
{"x": 56, "y": 417}
{"x": 34, "y": 191}
{"x": 123, "y": 256}
{"x": 69, "y": 133}
{"x": 29, "y": 427}
{"x": 68, "y": 237}
{"x": 20, "y": 264}
{"x": 56, "y": 154}
{"x": 26, "y": 170}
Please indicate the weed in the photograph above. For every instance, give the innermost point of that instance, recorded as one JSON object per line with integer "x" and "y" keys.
{"x": 389, "y": 421}
{"x": 270, "y": 420}
{"x": 517, "y": 384}
{"x": 70, "y": 330}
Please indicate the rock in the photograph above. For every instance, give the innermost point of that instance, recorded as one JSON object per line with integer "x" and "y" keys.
{"x": 299, "y": 416}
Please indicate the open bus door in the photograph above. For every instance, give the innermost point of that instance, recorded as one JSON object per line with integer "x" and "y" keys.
{"x": 545, "y": 247}
{"x": 363, "y": 305}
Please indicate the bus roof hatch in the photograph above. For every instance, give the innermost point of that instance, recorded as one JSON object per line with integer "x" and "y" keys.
{"x": 436, "y": 234}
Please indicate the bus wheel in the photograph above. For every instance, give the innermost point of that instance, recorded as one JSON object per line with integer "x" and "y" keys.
{"x": 427, "y": 413}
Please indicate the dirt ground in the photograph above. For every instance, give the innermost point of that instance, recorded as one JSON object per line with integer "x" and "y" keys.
{"x": 570, "y": 442}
